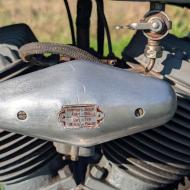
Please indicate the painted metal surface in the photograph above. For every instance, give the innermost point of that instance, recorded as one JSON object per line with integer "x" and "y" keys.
{"x": 174, "y": 64}
{"x": 116, "y": 92}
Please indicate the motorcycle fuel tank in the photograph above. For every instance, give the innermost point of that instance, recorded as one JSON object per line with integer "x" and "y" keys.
{"x": 84, "y": 103}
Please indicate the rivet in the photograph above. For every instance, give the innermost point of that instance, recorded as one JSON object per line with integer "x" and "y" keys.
{"x": 21, "y": 115}
{"x": 139, "y": 112}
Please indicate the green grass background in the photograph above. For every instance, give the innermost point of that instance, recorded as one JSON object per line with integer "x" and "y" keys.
{"x": 48, "y": 19}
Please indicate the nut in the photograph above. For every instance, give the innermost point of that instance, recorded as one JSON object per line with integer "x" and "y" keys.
{"x": 97, "y": 172}
{"x": 153, "y": 52}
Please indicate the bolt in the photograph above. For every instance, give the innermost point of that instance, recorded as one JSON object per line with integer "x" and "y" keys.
{"x": 21, "y": 115}
{"x": 155, "y": 25}
{"x": 74, "y": 153}
{"x": 139, "y": 112}
{"x": 97, "y": 172}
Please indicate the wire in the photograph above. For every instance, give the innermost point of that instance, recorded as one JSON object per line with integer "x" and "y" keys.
{"x": 100, "y": 29}
{"x": 103, "y": 17}
{"x": 70, "y": 22}
{"x": 30, "y": 52}
{"x": 150, "y": 65}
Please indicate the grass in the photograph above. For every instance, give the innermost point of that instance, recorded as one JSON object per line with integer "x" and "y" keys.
{"x": 49, "y": 21}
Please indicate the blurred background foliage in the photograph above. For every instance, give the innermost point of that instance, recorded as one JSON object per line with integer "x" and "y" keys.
{"x": 48, "y": 19}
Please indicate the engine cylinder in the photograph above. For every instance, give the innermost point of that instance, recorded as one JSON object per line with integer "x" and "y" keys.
{"x": 156, "y": 157}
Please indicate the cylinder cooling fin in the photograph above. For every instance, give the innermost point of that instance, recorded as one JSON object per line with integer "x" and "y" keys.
{"x": 12, "y": 37}
{"x": 21, "y": 157}
{"x": 158, "y": 157}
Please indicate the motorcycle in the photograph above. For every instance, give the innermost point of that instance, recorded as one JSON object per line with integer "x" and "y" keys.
{"x": 72, "y": 118}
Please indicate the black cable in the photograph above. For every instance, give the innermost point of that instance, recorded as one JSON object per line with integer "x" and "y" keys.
{"x": 100, "y": 29}
{"x": 70, "y": 22}
{"x": 106, "y": 28}
{"x": 84, "y": 10}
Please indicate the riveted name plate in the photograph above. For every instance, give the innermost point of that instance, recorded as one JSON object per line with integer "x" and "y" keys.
{"x": 81, "y": 116}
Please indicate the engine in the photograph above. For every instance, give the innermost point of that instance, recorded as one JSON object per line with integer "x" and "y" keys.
{"x": 73, "y": 119}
